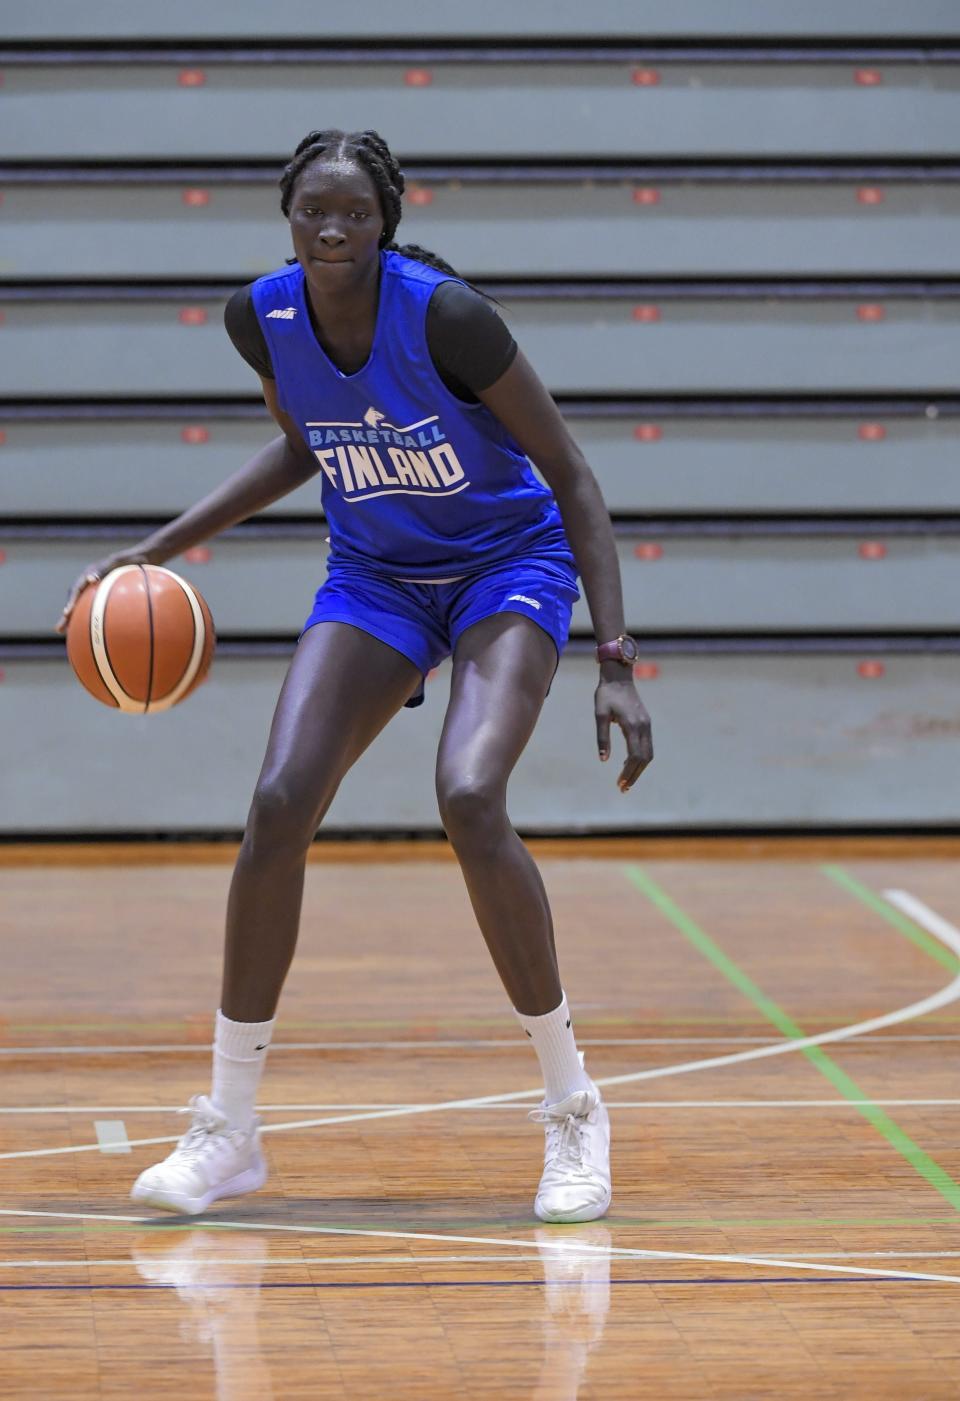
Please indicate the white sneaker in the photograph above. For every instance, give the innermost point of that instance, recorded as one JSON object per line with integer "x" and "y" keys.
{"x": 212, "y": 1160}
{"x": 575, "y": 1185}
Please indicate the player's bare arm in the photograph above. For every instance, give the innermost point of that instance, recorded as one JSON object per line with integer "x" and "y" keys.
{"x": 281, "y": 466}
{"x": 525, "y": 407}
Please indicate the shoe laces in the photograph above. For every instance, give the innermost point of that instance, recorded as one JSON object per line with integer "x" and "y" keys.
{"x": 565, "y": 1137}
{"x": 208, "y": 1129}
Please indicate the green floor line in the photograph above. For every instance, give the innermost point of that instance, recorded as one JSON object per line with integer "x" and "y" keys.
{"x": 158, "y": 1225}
{"x": 937, "y": 1176}
{"x": 893, "y": 916}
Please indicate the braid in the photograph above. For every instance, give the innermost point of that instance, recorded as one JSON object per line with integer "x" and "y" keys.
{"x": 370, "y": 151}
{"x": 313, "y": 145}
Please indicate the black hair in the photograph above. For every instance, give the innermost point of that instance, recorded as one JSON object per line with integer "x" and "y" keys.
{"x": 370, "y": 151}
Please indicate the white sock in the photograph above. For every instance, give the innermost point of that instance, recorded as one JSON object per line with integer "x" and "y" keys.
{"x": 556, "y": 1048}
{"x": 239, "y": 1052}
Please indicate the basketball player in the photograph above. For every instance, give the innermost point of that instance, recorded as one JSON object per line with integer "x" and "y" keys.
{"x": 400, "y": 384}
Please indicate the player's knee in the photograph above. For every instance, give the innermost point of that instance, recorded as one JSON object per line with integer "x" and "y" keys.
{"x": 281, "y": 818}
{"x": 471, "y": 809}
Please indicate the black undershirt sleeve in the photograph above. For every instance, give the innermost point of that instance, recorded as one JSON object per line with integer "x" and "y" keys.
{"x": 469, "y": 344}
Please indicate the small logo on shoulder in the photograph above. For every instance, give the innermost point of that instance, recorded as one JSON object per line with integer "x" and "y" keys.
{"x": 522, "y": 598}
{"x": 286, "y": 313}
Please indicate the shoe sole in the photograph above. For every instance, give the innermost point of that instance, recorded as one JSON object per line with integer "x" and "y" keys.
{"x": 586, "y": 1213}
{"x": 250, "y": 1180}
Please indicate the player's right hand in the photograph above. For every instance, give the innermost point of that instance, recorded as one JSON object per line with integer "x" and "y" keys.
{"x": 92, "y": 575}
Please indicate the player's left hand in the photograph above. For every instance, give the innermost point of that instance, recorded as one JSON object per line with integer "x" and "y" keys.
{"x": 618, "y": 701}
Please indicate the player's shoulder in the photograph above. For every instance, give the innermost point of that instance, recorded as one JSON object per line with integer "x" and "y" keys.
{"x": 280, "y": 285}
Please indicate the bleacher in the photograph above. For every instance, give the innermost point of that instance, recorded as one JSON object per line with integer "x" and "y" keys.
{"x": 726, "y": 238}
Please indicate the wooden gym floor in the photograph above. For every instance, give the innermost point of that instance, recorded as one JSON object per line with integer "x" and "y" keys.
{"x": 786, "y": 1217}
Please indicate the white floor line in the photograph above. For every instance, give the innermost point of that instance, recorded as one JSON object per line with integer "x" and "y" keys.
{"x": 940, "y": 928}
{"x": 572, "y": 1250}
{"x": 87, "y": 1109}
{"x": 614, "y": 1252}
{"x": 203, "y": 1048}
{"x": 441, "y": 1044}
{"x": 285, "y": 1261}
{"x": 922, "y": 914}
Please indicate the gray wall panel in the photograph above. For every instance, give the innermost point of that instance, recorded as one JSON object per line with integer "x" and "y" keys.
{"x": 583, "y": 345}
{"x": 578, "y": 229}
{"x": 483, "y": 110}
{"x": 257, "y": 587}
{"x": 298, "y": 19}
{"x": 783, "y": 740}
{"x": 89, "y": 469}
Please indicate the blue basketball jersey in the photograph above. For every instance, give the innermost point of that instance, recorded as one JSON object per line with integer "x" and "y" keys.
{"x": 416, "y": 483}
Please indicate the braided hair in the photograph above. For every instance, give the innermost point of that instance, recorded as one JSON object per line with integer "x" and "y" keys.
{"x": 370, "y": 151}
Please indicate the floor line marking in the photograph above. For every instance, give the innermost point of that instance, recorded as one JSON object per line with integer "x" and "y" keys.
{"x": 617, "y": 1221}
{"x": 204, "y": 1047}
{"x": 921, "y": 914}
{"x": 614, "y": 1252}
{"x": 947, "y": 936}
{"x": 112, "y": 1136}
{"x": 945, "y": 995}
{"x": 928, "y": 1168}
{"x": 942, "y": 947}
{"x": 294, "y": 1261}
{"x": 87, "y": 1109}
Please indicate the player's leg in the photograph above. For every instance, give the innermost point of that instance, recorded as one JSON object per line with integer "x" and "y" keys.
{"x": 502, "y": 669}
{"x": 342, "y": 687}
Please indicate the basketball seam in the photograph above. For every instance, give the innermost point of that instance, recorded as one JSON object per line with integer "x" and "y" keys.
{"x": 93, "y": 650}
{"x": 146, "y": 585}
{"x": 199, "y": 634}
{"x": 101, "y": 655}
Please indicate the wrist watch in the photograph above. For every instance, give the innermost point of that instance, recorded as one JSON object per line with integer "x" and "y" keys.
{"x": 622, "y": 649}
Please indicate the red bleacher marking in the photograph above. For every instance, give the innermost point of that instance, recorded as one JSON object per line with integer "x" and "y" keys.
{"x": 871, "y": 671}
{"x": 198, "y": 554}
{"x": 192, "y": 316}
{"x": 867, "y": 77}
{"x": 869, "y": 194}
{"x": 871, "y": 432}
{"x": 195, "y": 199}
{"x": 646, "y": 313}
{"x": 870, "y": 311}
{"x": 648, "y": 432}
{"x": 648, "y": 551}
{"x": 646, "y": 671}
{"x": 191, "y": 78}
{"x": 419, "y": 196}
{"x": 3, "y": 436}
{"x": 646, "y": 196}
{"x": 872, "y": 549}
{"x": 645, "y": 77}
{"x": 418, "y": 77}
{"x": 194, "y": 434}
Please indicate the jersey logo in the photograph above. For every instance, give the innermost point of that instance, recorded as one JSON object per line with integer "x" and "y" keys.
{"x": 373, "y": 457}
{"x": 522, "y": 598}
{"x": 286, "y": 314}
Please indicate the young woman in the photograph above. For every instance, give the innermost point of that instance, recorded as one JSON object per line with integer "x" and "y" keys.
{"x": 400, "y": 384}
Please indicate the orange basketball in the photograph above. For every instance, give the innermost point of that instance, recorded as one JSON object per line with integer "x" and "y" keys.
{"x": 141, "y": 640}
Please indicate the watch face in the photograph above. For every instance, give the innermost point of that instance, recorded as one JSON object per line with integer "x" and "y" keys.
{"x": 629, "y": 650}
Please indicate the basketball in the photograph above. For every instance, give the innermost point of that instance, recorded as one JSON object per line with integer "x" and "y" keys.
{"x": 141, "y": 640}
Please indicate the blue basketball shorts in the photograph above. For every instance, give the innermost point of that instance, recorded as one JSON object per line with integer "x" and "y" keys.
{"x": 425, "y": 621}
